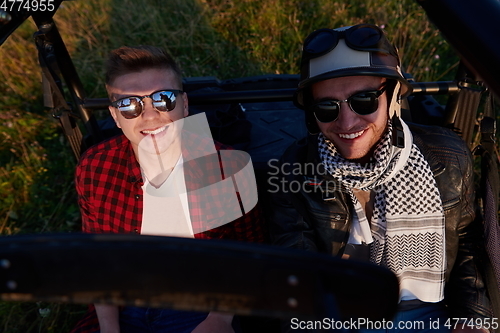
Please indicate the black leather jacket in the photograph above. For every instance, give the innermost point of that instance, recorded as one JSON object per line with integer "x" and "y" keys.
{"x": 310, "y": 216}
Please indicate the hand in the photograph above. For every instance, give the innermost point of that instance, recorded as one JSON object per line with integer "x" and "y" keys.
{"x": 215, "y": 323}
{"x": 108, "y": 318}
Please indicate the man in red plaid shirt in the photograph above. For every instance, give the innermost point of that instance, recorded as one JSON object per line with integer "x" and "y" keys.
{"x": 161, "y": 177}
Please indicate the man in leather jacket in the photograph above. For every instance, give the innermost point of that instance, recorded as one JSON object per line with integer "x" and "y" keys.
{"x": 365, "y": 185}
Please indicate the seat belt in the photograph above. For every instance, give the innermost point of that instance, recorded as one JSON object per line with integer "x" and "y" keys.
{"x": 490, "y": 186}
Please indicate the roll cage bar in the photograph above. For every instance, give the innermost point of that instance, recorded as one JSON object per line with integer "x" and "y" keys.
{"x": 277, "y": 282}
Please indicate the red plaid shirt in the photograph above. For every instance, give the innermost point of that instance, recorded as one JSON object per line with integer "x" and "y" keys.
{"x": 109, "y": 185}
{"x": 110, "y": 196}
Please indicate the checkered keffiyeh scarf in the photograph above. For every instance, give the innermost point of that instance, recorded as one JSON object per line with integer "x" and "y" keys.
{"x": 407, "y": 227}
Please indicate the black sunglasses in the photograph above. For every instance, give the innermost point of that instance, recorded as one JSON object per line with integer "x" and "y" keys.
{"x": 131, "y": 107}
{"x": 361, "y": 37}
{"x": 362, "y": 103}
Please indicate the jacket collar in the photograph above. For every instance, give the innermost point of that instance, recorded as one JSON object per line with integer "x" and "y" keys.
{"x": 436, "y": 166}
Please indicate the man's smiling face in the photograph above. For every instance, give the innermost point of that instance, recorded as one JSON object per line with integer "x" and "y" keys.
{"x": 150, "y": 121}
{"x": 354, "y": 136}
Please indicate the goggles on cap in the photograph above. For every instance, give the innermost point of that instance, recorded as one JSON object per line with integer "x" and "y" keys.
{"x": 132, "y": 106}
{"x": 361, "y": 37}
{"x": 362, "y": 103}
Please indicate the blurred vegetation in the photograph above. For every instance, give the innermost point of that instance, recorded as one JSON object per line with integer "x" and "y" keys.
{"x": 221, "y": 38}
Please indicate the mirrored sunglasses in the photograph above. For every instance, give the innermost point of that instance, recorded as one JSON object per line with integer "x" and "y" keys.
{"x": 132, "y": 106}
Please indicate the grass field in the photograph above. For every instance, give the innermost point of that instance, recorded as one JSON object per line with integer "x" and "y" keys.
{"x": 221, "y": 38}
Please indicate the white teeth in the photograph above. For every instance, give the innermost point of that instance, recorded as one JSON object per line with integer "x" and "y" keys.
{"x": 352, "y": 135}
{"x": 156, "y": 131}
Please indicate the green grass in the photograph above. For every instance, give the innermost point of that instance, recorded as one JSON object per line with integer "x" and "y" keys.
{"x": 221, "y": 38}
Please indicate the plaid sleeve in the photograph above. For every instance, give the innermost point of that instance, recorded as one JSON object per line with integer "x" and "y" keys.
{"x": 89, "y": 323}
{"x": 108, "y": 183}
{"x": 249, "y": 224}
{"x": 83, "y": 180}
{"x": 249, "y": 227}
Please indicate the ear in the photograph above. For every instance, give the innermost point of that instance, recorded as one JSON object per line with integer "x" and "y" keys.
{"x": 185, "y": 104}
{"x": 113, "y": 113}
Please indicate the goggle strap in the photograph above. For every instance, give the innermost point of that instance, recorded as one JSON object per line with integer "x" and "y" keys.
{"x": 394, "y": 106}
{"x": 398, "y": 136}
